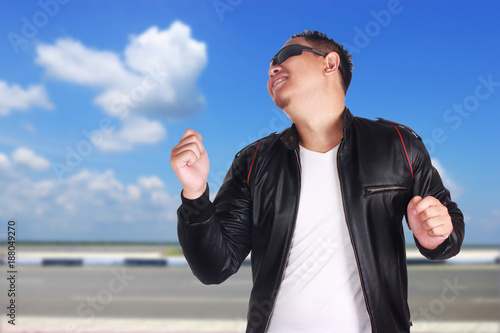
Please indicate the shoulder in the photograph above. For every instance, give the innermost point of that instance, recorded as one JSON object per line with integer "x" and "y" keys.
{"x": 386, "y": 133}
{"x": 399, "y": 127}
{"x": 381, "y": 128}
{"x": 263, "y": 145}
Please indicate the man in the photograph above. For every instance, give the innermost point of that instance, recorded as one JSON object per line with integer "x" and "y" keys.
{"x": 319, "y": 205}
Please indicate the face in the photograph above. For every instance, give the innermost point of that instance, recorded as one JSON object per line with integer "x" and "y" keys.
{"x": 296, "y": 76}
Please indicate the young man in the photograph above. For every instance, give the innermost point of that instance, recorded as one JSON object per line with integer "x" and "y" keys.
{"x": 320, "y": 206}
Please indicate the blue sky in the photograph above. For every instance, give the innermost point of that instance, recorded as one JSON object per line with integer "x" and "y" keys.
{"x": 94, "y": 94}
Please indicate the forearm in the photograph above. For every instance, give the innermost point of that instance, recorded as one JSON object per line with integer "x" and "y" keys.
{"x": 450, "y": 246}
{"x": 427, "y": 183}
{"x": 210, "y": 252}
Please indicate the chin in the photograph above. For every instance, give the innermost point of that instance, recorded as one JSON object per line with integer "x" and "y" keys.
{"x": 282, "y": 102}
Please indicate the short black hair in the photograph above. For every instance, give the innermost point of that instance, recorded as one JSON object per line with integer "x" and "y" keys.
{"x": 324, "y": 44}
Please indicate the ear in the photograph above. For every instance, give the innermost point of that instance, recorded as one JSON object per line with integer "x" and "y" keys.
{"x": 332, "y": 63}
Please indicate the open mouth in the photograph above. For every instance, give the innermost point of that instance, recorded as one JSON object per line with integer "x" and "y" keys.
{"x": 279, "y": 80}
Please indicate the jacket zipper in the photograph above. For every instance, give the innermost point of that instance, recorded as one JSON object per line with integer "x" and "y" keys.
{"x": 368, "y": 309}
{"x": 372, "y": 190}
{"x": 289, "y": 247}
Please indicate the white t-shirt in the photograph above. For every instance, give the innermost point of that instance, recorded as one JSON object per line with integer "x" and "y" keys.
{"x": 321, "y": 289}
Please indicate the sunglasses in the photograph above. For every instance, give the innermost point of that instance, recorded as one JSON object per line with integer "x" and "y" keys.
{"x": 290, "y": 51}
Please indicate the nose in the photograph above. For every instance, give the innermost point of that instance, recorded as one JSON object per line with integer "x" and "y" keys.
{"x": 273, "y": 70}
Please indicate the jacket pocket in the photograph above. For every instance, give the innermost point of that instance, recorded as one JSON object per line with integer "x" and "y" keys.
{"x": 371, "y": 190}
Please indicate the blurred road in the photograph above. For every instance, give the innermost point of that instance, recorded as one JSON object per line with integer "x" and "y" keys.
{"x": 437, "y": 293}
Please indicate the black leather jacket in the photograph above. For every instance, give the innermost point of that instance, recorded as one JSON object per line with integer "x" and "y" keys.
{"x": 381, "y": 165}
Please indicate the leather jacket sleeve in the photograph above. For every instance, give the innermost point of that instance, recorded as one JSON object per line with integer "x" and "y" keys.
{"x": 427, "y": 182}
{"x": 215, "y": 237}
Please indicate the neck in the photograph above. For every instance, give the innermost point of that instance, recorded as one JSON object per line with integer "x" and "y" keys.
{"x": 322, "y": 133}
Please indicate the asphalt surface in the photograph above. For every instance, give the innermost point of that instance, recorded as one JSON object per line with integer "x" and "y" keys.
{"x": 444, "y": 294}
{"x": 437, "y": 292}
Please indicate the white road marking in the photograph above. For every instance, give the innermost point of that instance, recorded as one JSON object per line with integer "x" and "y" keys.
{"x": 180, "y": 299}
{"x": 488, "y": 300}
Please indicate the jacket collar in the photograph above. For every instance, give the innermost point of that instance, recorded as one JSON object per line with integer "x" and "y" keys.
{"x": 290, "y": 137}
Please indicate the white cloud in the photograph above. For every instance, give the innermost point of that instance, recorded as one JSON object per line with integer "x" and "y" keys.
{"x": 133, "y": 192}
{"x": 155, "y": 75}
{"x": 4, "y": 161}
{"x": 92, "y": 181}
{"x": 69, "y": 60}
{"x": 151, "y": 183}
{"x": 15, "y": 97}
{"x": 455, "y": 189}
{"x": 88, "y": 206}
{"x": 25, "y": 157}
{"x": 135, "y": 130}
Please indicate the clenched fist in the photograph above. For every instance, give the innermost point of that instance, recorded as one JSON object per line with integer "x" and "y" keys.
{"x": 429, "y": 220}
{"x": 189, "y": 160}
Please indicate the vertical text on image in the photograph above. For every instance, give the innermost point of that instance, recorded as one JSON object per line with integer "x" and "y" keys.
{"x": 11, "y": 271}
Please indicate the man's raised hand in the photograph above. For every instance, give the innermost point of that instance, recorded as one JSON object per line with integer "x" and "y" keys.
{"x": 429, "y": 220}
{"x": 189, "y": 160}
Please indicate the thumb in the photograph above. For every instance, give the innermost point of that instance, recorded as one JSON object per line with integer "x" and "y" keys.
{"x": 412, "y": 214}
{"x": 411, "y": 209}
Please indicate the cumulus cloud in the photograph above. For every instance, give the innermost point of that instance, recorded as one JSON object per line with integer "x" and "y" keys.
{"x": 135, "y": 130}
{"x": 13, "y": 97}
{"x": 4, "y": 161}
{"x": 25, "y": 157}
{"x": 88, "y": 205}
{"x": 71, "y": 61}
{"x": 151, "y": 183}
{"x": 155, "y": 76}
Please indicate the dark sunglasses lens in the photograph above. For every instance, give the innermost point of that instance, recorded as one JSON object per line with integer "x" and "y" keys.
{"x": 285, "y": 53}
